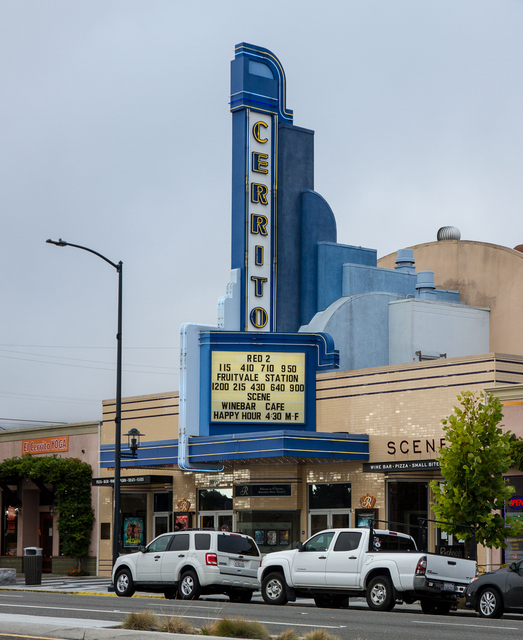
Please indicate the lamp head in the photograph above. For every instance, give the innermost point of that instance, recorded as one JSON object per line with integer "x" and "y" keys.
{"x": 58, "y": 243}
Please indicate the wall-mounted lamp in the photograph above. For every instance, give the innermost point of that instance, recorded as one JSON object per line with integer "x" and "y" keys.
{"x": 133, "y": 442}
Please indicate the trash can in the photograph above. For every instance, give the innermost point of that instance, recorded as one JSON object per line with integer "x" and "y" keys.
{"x": 33, "y": 565}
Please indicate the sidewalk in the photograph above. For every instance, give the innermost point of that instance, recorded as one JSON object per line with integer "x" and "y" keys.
{"x": 55, "y": 583}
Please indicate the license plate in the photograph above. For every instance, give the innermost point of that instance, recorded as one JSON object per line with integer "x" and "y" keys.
{"x": 448, "y": 586}
{"x": 239, "y": 563}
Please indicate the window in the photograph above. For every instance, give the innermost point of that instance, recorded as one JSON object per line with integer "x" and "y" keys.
{"x": 180, "y": 542}
{"x": 202, "y": 541}
{"x": 163, "y": 502}
{"x": 407, "y": 503}
{"x": 321, "y": 542}
{"x": 385, "y": 542}
{"x": 215, "y": 499}
{"x": 271, "y": 530}
{"x": 160, "y": 544}
{"x": 237, "y": 544}
{"x": 330, "y": 496}
{"x": 347, "y": 541}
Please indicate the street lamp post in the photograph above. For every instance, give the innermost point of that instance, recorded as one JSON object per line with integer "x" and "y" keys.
{"x": 118, "y": 416}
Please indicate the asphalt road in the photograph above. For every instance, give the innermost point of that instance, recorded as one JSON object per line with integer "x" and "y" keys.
{"x": 355, "y": 623}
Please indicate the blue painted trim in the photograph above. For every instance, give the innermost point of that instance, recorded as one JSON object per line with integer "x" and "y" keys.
{"x": 283, "y": 443}
{"x": 252, "y": 91}
{"x": 161, "y": 452}
{"x": 263, "y": 444}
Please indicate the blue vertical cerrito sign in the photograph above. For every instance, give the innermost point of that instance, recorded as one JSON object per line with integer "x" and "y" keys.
{"x": 257, "y": 104}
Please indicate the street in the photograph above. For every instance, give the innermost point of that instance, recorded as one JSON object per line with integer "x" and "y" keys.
{"x": 355, "y": 623}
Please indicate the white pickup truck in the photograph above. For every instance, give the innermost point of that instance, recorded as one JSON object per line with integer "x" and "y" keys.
{"x": 382, "y": 565}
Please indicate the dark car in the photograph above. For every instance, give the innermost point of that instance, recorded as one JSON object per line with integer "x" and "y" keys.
{"x": 497, "y": 592}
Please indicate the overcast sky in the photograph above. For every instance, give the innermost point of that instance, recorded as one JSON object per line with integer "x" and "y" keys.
{"x": 115, "y": 134}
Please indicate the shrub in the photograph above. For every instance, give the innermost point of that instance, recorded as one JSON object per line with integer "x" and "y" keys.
{"x": 288, "y": 634}
{"x": 320, "y": 634}
{"x": 237, "y": 628}
{"x": 141, "y": 621}
{"x": 177, "y": 624}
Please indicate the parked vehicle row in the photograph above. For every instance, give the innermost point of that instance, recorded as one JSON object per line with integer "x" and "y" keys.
{"x": 333, "y": 565}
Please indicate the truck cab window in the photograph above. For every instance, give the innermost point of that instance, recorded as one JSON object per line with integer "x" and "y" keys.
{"x": 347, "y": 541}
{"x": 320, "y": 542}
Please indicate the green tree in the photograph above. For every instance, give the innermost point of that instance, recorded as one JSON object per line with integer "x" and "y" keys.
{"x": 71, "y": 480}
{"x": 516, "y": 451}
{"x": 476, "y": 455}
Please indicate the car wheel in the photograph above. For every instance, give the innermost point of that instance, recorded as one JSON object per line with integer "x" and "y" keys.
{"x": 274, "y": 589}
{"x": 189, "y": 587}
{"x": 490, "y": 604}
{"x": 379, "y": 594}
{"x": 329, "y": 602}
{"x": 240, "y": 595}
{"x": 123, "y": 584}
{"x": 435, "y": 607}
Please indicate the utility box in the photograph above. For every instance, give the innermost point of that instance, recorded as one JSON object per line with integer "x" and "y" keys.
{"x": 33, "y": 565}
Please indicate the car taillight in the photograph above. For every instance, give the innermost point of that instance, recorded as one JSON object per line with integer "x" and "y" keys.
{"x": 422, "y": 566}
{"x": 211, "y": 558}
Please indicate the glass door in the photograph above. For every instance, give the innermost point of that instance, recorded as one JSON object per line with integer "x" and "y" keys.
{"x": 162, "y": 523}
{"x": 318, "y": 522}
{"x": 206, "y": 520}
{"x": 340, "y": 520}
{"x": 328, "y": 519}
{"x": 215, "y": 520}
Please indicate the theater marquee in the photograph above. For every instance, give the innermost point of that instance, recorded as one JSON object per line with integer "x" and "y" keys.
{"x": 260, "y": 381}
{"x": 247, "y": 386}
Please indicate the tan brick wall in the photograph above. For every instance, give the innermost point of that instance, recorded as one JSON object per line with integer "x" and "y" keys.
{"x": 156, "y": 416}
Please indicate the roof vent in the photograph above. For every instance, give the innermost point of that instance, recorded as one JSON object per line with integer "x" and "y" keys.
{"x": 405, "y": 261}
{"x": 449, "y": 233}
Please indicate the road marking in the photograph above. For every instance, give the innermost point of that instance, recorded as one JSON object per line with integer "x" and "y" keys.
{"x": 37, "y": 606}
{"x": 26, "y": 635}
{"x": 165, "y": 615}
{"x": 459, "y": 624}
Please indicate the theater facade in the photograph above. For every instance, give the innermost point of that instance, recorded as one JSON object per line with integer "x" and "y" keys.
{"x": 317, "y": 398}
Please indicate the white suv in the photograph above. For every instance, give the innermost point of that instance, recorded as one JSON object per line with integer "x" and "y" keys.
{"x": 189, "y": 563}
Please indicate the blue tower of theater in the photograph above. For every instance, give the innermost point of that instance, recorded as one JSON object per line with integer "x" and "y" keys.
{"x": 283, "y": 232}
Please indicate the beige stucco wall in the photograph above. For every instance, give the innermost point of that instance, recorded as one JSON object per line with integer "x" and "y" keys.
{"x": 486, "y": 275}
{"x": 83, "y": 444}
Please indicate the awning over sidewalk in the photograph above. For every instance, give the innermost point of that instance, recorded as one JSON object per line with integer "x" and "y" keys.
{"x": 267, "y": 445}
